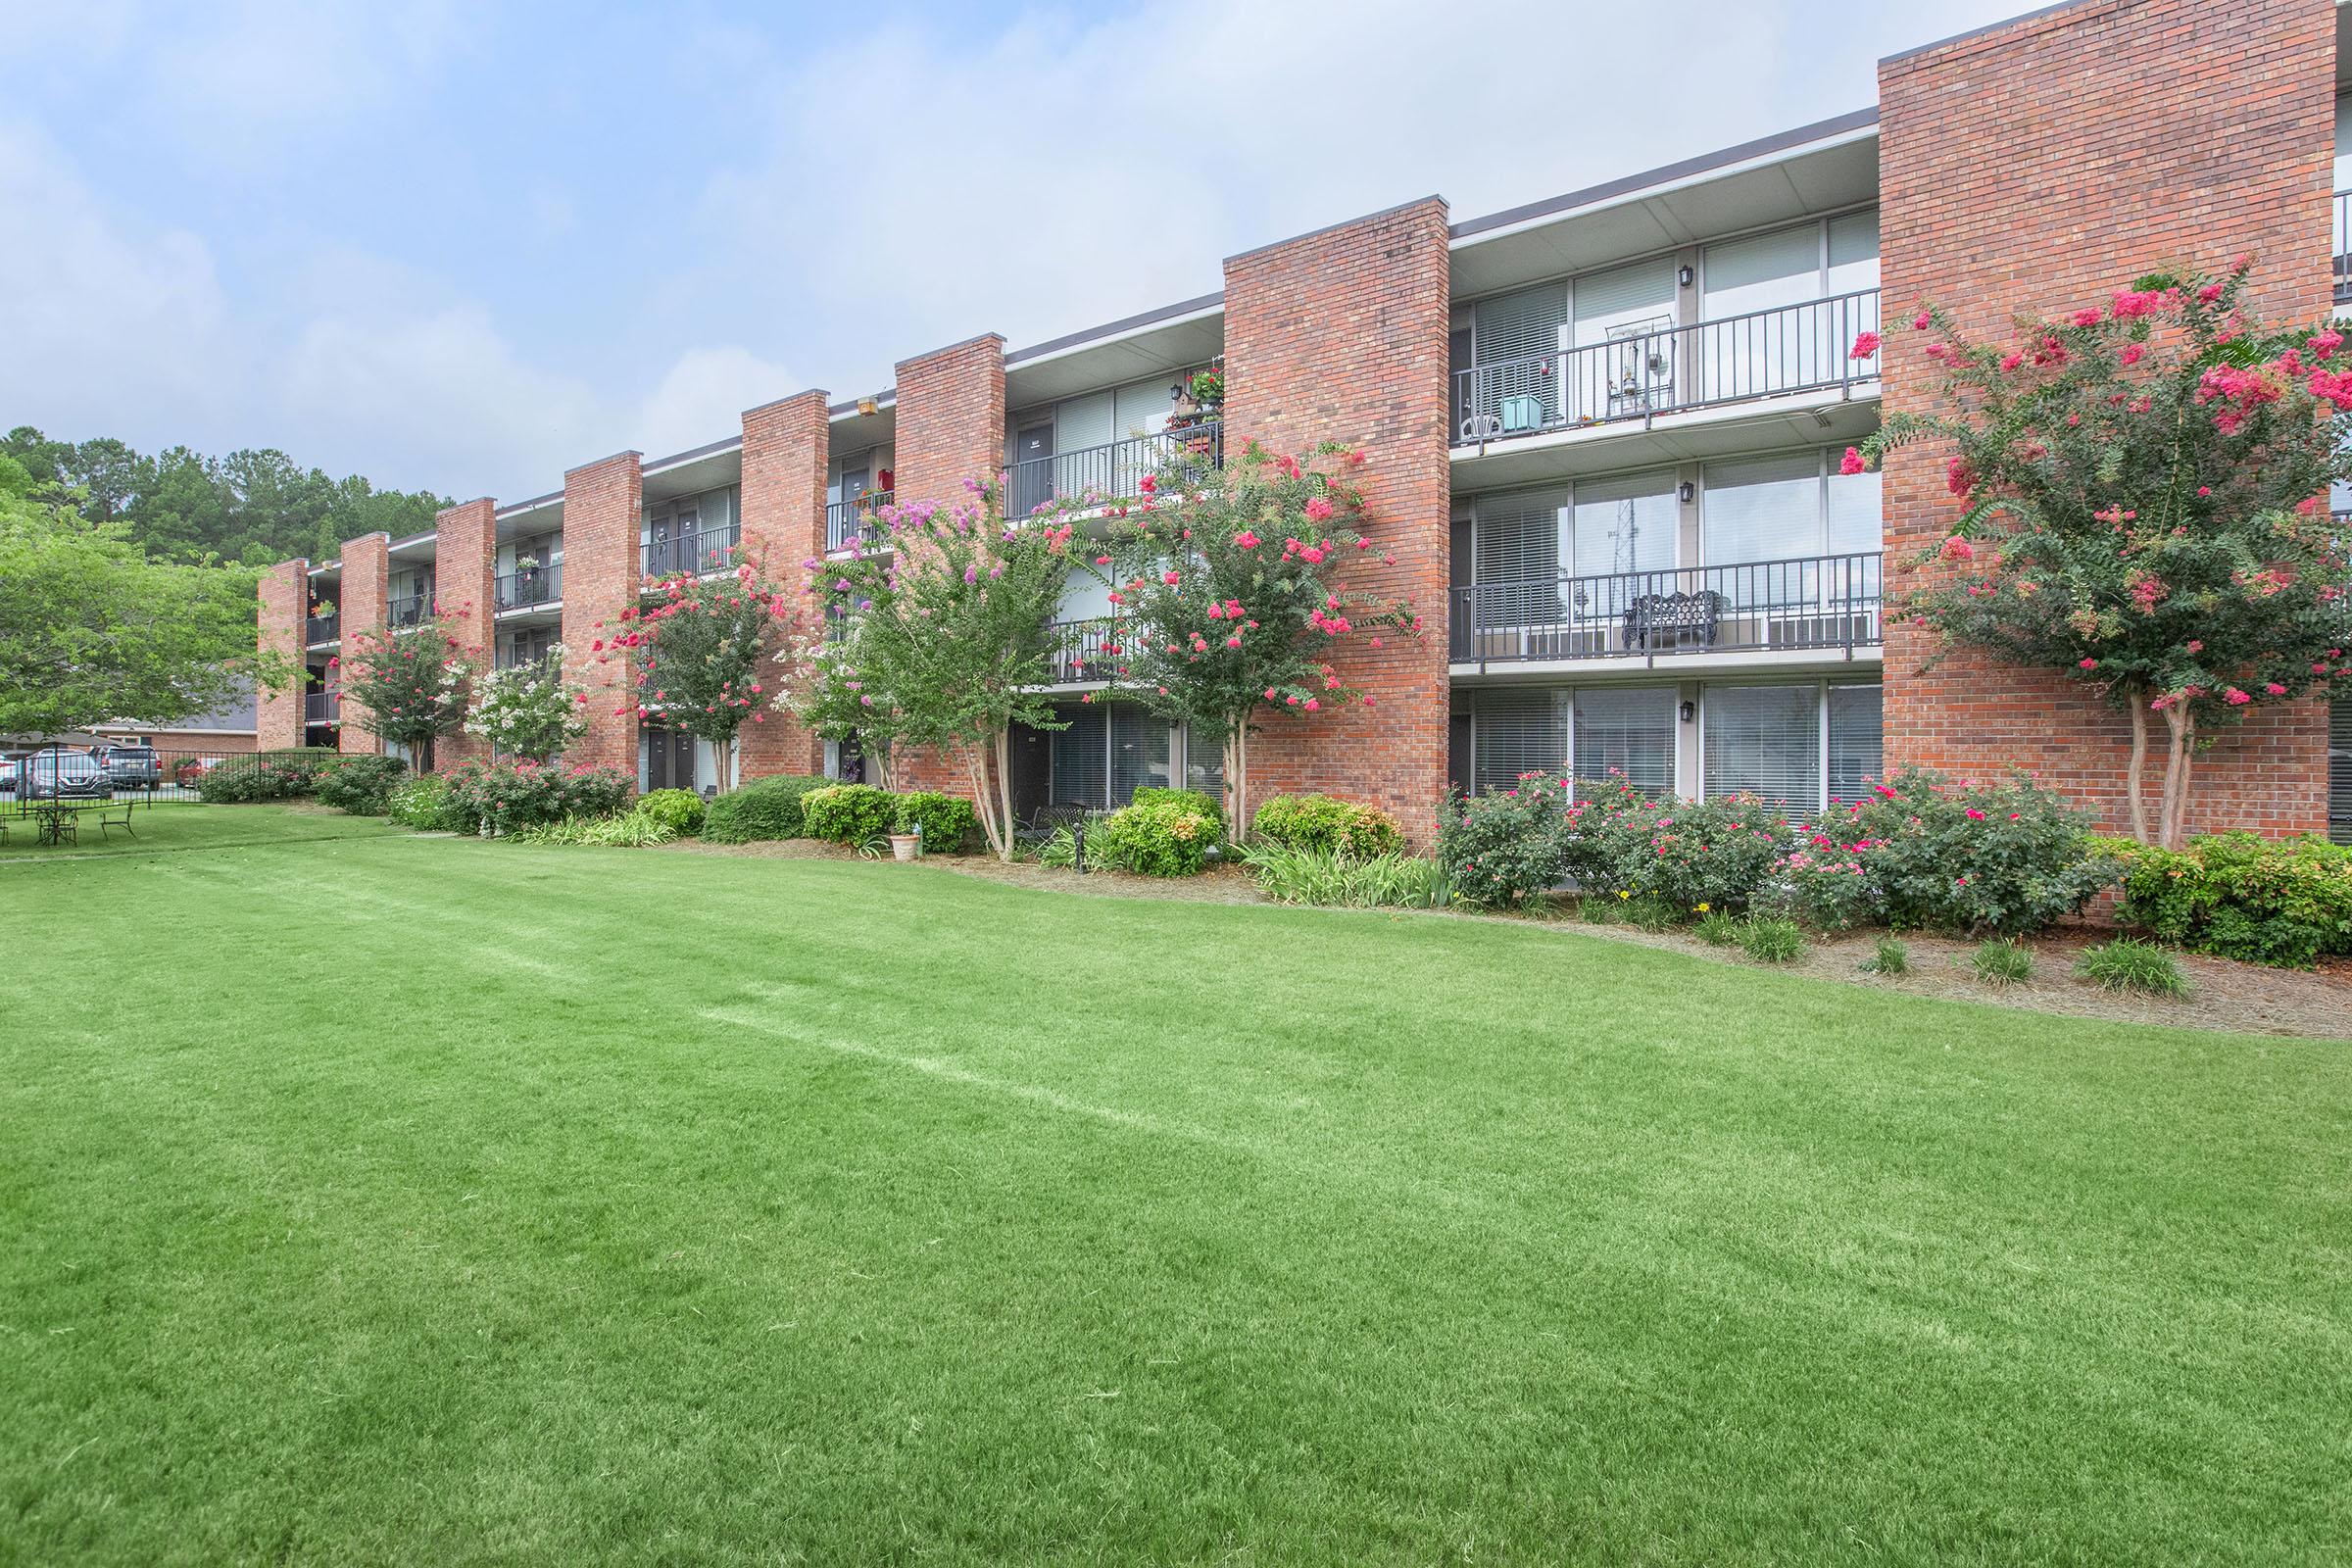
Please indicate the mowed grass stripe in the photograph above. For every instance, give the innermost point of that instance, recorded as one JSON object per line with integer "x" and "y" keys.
{"x": 371, "y": 1241}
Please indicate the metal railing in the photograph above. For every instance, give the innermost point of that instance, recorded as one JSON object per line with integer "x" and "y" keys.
{"x": 1816, "y": 601}
{"x": 1087, "y": 650}
{"x": 1112, "y": 472}
{"x": 2341, "y": 248}
{"x": 319, "y": 628}
{"x": 689, "y": 554}
{"x": 508, "y": 658}
{"x": 530, "y": 585}
{"x": 322, "y": 708}
{"x": 853, "y": 520}
{"x": 409, "y": 609}
{"x": 1796, "y": 348}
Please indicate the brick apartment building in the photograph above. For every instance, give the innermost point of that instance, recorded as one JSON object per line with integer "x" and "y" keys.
{"x": 1602, "y": 432}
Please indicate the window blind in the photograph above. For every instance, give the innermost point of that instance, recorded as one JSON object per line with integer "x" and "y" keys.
{"x": 1625, "y": 524}
{"x": 1760, "y": 508}
{"x": 1764, "y": 741}
{"x": 1139, "y": 750}
{"x": 1516, "y": 730}
{"x": 1627, "y": 731}
{"x": 1521, "y": 554}
{"x": 1857, "y": 752}
{"x": 1639, "y": 294}
{"x": 2340, "y": 771}
{"x": 1080, "y": 758}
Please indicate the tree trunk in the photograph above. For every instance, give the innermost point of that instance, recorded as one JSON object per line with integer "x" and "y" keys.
{"x": 975, "y": 764}
{"x": 424, "y": 755}
{"x": 1237, "y": 782}
{"x": 2177, "y": 831}
{"x": 2168, "y": 811}
{"x": 2137, "y": 701}
{"x": 1005, "y": 785}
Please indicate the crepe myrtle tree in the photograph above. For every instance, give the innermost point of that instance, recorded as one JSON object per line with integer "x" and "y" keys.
{"x": 528, "y": 710}
{"x": 1231, "y": 588}
{"x": 2139, "y": 493}
{"x": 949, "y": 635}
{"x": 840, "y": 697}
{"x": 696, "y": 651}
{"x": 414, "y": 686}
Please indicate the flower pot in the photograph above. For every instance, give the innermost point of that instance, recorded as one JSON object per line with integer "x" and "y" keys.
{"x": 903, "y": 845}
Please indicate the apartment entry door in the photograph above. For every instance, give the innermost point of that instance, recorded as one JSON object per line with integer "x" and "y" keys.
{"x": 668, "y": 759}
{"x": 1033, "y": 472}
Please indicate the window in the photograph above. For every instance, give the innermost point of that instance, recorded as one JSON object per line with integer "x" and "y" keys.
{"x": 2339, "y": 770}
{"x": 688, "y": 533}
{"x": 1516, "y": 730}
{"x": 1108, "y": 752}
{"x": 1764, "y": 524}
{"x": 1625, "y": 731}
{"x": 1782, "y": 298}
{"x": 1794, "y": 746}
{"x": 1525, "y": 542}
{"x": 1203, "y": 765}
{"x": 1590, "y": 733}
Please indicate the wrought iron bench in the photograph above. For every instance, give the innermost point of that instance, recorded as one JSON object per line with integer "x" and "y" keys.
{"x": 1678, "y": 620}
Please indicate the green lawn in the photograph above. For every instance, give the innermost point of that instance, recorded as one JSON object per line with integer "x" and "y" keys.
{"x": 387, "y": 1198}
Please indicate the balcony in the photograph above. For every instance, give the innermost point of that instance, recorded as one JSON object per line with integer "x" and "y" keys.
{"x": 510, "y": 658}
{"x": 1790, "y": 350}
{"x": 1112, "y": 472}
{"x": 529, "y": 587}
{"x": 853, "y": 520}
{"x": 1812, "y": 605}
{"x": 322, "y": 708}
{"x": 409, "y": 609}
{"x": 689, "y": 555}
{"x": 316, "y": 629}
{"x": 2341, "y": 249}
{"x": 1085, "y": 650}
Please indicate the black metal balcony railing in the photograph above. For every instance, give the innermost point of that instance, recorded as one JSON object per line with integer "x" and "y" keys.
{"x": 322, "y": 708}
{"x": 2341, "y": 249}
{"x": 409, "y": 609}
{"x": 1820, "y": 602}
{"x": 1796, "y": 348}
{"x": 853, "y": 520}
{"x": 1115, "y": 471}
{"x": 530, "y": 586}
{"x": 690, "y": 554}
{"x": 319, "y": 628}
{"x": 1088, "y": 649}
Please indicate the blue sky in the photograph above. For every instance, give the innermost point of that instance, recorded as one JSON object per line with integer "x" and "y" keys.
{"x": 463, "y": 246}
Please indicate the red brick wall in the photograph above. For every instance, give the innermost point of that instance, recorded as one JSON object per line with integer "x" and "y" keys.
{"x": 2038, "y": 166}
{"x": 602, "y": 506}
{"x": 785, "y": 450}
{"x": 950, "y": 427}
{"x": 365, "y": 568}
{"x": 1342, "y": 337}
{"x": 282, "y": 597}
{"x": 465, "y": 561}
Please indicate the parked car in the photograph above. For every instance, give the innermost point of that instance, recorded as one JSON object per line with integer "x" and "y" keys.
{"x": 8, "y": 775}
{"x": 63, "y": 776}
{"x": 130, "y": 767}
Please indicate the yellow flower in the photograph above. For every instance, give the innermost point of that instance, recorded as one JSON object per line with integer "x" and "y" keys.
{"x": 1621, "y": 892}
{"x": 1701, "y": 908}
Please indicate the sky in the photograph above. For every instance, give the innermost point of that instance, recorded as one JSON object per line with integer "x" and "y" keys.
{"x": 465, "y": 246}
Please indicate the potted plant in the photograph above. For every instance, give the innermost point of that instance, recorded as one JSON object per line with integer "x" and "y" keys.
{"x": 908, "y": 845}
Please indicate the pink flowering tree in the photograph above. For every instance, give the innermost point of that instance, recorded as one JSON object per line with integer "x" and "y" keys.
{"x": 698, "y": 650}
{"x": 950, "y": 637}
{"x": 1231, "y": 587}
{"x": 412, "y": 685}
{"x": 2140, "y": 503}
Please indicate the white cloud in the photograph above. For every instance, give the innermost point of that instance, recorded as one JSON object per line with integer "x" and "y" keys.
{"x": 703, "y": 396}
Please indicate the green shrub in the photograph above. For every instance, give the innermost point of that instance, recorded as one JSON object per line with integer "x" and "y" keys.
{"x": 2002, "y": 962}
{"x": 1330, "y": 824}
{"x": 1318, "y": 876}
{"x": 1201, "y": 801}
{"x": 2284, "y": 902}
{"x": 423, "y": 804}
{"x": 1155, "y": 838}
{"x": 946, "y": 820}
{"x": 362, "y": 786}
{"x": 679, "y": 811}
{"x": 1891, "y": 956}
{"x": 2129, "y": 965}
{"x": 492, "y": 799}
{"x": 280, "y": 775}
{"x": 2007, "y": 859}
{"x": 765, "y": 809}
{"x": 635, "y": 828}
{"x": 1506, "y": 846}
{"x": 1718, "y": 928}
{"x": 1772, "y": 939}
{"x": 847, "y": 813}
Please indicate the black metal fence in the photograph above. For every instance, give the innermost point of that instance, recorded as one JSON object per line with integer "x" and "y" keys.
{"x": 319, "y": 628}
{"x": 1814, "y": 601}
{"x": 846, "y": 520}
{"x": 1635, "y": 374}
{"x": 57, "y": 774}
{"x": 409, "y": 609}
{"x": 530, "y": 586}
{"x": 689, "y": 554}
{"x": 1112, "y": 472}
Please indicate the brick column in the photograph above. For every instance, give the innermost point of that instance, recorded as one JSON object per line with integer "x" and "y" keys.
{"x": 361, "y": 599}
{"x": 602, "y": 505}
{"x": 282, "y": 597}
{"x": 785, "y": 450}
{"x": 2037, "y": 165}
{"x": 951, "y": 420}
{"x": 1340, "y": 335}
{"x": 464, "y": 559}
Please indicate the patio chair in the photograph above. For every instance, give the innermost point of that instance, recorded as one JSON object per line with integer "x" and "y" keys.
{"x": 112, "y": 815}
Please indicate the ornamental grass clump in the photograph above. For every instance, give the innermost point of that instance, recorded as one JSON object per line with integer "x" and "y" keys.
{"x": 1772, "y": 939}
{"x": 2129, "y": 965}
{"x": 1891, "y": 955}
{"x": 2002, "y": 962}
{"x": 1344, "y": 881}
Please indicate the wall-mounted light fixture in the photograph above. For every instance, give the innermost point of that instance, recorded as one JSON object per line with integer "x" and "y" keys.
{"x": 1688, "y": 711}
{"x": 868, "y": 406}
{"x": 1684, "y": 277}
{"x": 1689, "y": 492}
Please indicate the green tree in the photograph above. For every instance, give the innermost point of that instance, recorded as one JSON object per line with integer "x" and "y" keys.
{"x": 90, "y": 629}
{"x": 412, "y": 686}
{"x": 2141, "y": 493}
{"x": 695, "y": 653}
{"x": 528, "y": 710}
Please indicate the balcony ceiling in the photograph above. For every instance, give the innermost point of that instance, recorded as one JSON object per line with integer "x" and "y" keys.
{"x": 1163, "y": 348}
{"x": 1830, "y": 177}
{"x": 414, "y": 551}
{"x": 673, "y": 477}
{"x": 531, "y": 519}
{"x": 854, "y": 433}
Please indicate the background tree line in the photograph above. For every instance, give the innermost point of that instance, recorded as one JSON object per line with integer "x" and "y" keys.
{"x": 254, "y": 506}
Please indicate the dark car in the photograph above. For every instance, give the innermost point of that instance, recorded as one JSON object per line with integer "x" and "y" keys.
{"x": 130, "y": 767}
{"x": 63, "y": 776}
